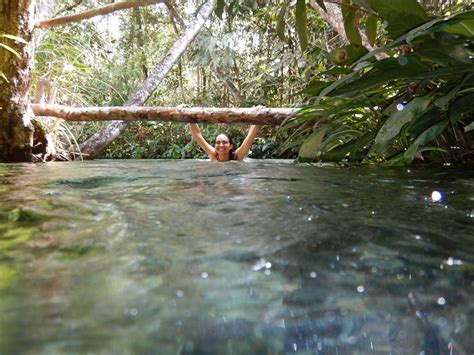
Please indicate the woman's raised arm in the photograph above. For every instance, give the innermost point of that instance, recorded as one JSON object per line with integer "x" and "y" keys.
{"x": 209, "y": 149}
{"x": 242, "y": 151}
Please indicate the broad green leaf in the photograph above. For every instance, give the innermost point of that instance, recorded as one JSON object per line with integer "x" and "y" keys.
{"x": 281, "y": 23}
{"x": 464, "y": 28}
{"x": 11, "y": 50}
{"x": 397, "y": 120}
{"x": 371, "y": 29}
{"x": 400, "y": 23}
{"x": 408, "y": 37}
{"x": 427, "y": 136}
{"x": 384, "y": 72}
{"x": 467, "y": 15}
{"x": 387, "y": 7}
{"x": 337, "y": 83}
{"x": 321, "y": 3}
{"x": 315, "y": 86}
{"x": 351, "y": 24}
{"x": 443, "y": 53}
{"x": 355, "y": 149}
{"x": 311, "y": 146}
{"x": 431, "y": 133}
{"x": 461, "y": 108}
{"x": 444, "y": 100}
{"x": 220, "y": 8}
{"x": 301, "y": 27}
{"x": 336, "y": 71}
{"x": 430, "y": 26}
{"x": 448, "y": 73}
{"x": 402, "y": 15}
{"x": 423, "y": 122}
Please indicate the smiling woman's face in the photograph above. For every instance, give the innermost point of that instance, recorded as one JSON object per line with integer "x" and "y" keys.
{"x": 222, "y": 145}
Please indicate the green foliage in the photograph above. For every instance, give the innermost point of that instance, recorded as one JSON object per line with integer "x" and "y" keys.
{"x": 371, "y": 29}
{"x": 280, "y": 28}
{"x": 401, "y": 15}
{"x": 415, "y": 100}
{"x": 301, "y": 23}
{"x": 273, "y": 54}
{"x": 152, "y": 140}
{"x": 351, "y": 24}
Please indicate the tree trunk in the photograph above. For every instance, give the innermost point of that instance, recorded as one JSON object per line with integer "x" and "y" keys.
{"x": 253, "y": 115}
{"x": 16, "y": 130}
{"x": 103, "y": 138}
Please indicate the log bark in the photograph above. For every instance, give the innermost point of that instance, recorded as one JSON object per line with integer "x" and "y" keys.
{"x": 103, "y": 138}
{"x": 100, "y": 11}
{"x": 253, "y": 115}
{"x": 16, "y": 130}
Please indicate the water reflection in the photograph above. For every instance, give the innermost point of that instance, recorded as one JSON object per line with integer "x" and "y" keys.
{"x": 189, "y": 257}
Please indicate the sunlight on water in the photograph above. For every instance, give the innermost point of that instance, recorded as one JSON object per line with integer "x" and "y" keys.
{"x": 436, "y": 196}
{"x": 264, "y": 257}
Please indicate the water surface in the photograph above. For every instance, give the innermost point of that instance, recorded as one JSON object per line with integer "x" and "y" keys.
{"x": 262, "y": 257}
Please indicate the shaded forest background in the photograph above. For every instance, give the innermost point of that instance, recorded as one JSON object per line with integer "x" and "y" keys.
{"x": 101, "y": 62}
{"x": 379, "y": 81}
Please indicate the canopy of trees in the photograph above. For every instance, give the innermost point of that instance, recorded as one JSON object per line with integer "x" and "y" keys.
{"x": 378, "y": 81}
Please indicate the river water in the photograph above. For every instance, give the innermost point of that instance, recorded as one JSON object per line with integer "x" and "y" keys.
{"x": 261, "y": 257}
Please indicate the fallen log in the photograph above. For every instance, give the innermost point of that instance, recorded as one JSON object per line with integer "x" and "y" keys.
{"x": 252, "y": 115}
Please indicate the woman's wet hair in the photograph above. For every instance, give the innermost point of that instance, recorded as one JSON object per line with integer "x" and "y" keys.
{"x": 231, "y": 152}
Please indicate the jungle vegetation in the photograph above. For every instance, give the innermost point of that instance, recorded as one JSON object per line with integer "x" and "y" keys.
{"x": 378, "y": 81}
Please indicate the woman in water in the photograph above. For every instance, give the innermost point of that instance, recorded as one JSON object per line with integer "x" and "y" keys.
{"x": 223, "y": 148}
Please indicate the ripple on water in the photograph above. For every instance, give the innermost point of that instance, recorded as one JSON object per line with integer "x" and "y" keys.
{"x": 191, "y": 256}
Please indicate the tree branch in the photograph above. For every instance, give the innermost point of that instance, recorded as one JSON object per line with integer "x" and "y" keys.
{"x": 100, "y": 11}
{"x": 253, "y": 115}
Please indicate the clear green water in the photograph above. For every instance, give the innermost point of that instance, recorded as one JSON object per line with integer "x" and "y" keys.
{"x": 264, "y": 257}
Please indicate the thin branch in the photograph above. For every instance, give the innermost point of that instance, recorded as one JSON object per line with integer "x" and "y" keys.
{"x": 100, "y": 11}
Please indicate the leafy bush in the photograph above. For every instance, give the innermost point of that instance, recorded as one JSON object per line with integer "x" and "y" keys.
{"x": 418, "y": 99}
{"x": 152, "y": 140}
